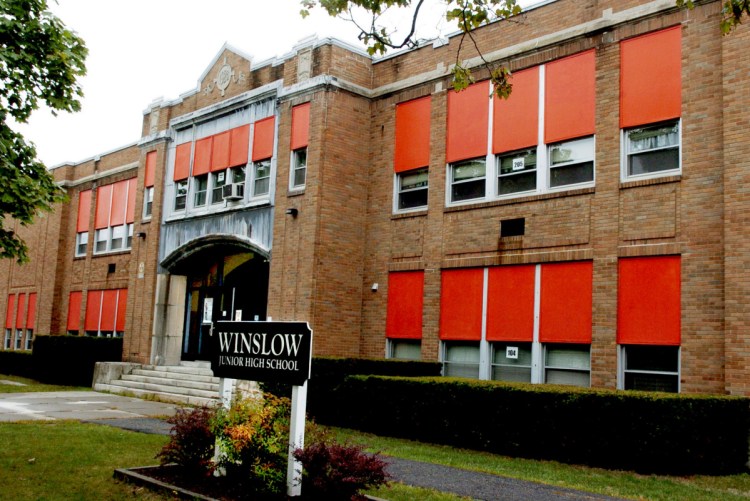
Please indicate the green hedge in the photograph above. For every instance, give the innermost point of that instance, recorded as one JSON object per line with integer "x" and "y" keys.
{"x": 70, "y": 360}
{"x": 327, "y": 373}
{"x": 16, "y": 363}
{"x": 639, "y": 431}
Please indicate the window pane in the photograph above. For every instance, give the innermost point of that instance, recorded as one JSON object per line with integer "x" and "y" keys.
{"x": 299, "y": 176}
{"x": 412, "y": 199}
{"x": 526, "y": 181}
{"x": 238, "y": 175}
{"x": 652, "y": 358}
{"x": 500, "y": 353}
{"x": 299, "y": 165}
{"x": 413, "y": 180}
{"x": 651, "y": 382}
{"x": 567, "y": 357}
{"x": 513, "y": 374}
{"x": 467, "y": 191}
{"x": 461, "y": 360}
{"x": 412, "y": 189}
{"x": 654, "y": 161}
{"x": 180, "y": 195}
{"x": 518, "y": 162}
{"x": 118, "y": 237}
{"x": 468, "y": 170}
{"x": 570, "y": 152}
{"x": 574, "y": 378}
{"x": 262, "y": 172}
{"x": 573, "y": 174}
{"x": 650, "y": 138}
{"x": 201, "y": 190}
{"x": 406, "y": 350}
{"x": 102, "y": 236}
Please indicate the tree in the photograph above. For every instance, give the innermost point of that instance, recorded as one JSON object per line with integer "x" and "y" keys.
{"x": 40, "y": 62}
{"x": 467, "y": 15}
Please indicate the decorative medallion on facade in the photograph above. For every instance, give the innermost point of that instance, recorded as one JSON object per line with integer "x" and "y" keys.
{"x": 224, "y": 78}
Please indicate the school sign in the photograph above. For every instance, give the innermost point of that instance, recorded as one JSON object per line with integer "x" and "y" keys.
{"x": 262, "y": 351}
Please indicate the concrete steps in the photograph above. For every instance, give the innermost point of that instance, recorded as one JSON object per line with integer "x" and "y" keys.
{"x": 190, "y": 383}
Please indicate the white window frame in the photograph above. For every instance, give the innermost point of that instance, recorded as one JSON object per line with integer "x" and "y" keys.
{"x": 148, "y": 202}
{"x": 8, "y": 338}
{"x": 297, "y": 166}
{"x": 254, "y": 179}
{"x": 18, "y": 339}
{"x": 398, "y": 191}
{"x": 498, "y": 175}
{"x": 82, "y": 239}
{"x": 450, "y": 182}
{"x": 591, "y": 158}
{"x": 184, "y": 196}
{"x": 215, "y": 190}
{"x": 622, "y": 367}
{"x": 29, "y": 338}
{"x": 195, "y": 182}
{"x": 625, "y": 153}
{"x": 107, "y": 236}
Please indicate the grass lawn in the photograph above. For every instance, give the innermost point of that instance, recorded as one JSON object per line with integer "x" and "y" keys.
{"x": 29, "y": 385}
{"x": 611, "y": 483}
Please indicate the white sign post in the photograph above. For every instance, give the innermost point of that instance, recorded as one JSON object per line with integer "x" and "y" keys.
{"x": 296, "y": 439}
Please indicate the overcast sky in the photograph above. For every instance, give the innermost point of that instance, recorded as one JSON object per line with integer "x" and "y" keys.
{"x": 141, "y": 50}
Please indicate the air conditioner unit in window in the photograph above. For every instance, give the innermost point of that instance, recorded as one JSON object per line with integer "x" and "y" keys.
{"x": 233, "y": 191}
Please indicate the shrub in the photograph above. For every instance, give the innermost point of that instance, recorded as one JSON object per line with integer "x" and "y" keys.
{"x": 191, "y": 444}
{"x": 336, "y": 472}
{"x": 70, "y": 359}
{"x": 16, "y": 363}
{"x": 254, "y": 438}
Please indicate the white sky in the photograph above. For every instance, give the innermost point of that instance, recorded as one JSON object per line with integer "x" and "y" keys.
{"x": 144, "y": 49}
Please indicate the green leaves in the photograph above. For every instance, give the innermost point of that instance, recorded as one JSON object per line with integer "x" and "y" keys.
{"x": 40, "y": 62}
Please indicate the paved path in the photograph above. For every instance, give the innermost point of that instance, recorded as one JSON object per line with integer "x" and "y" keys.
{"x": 143, "y": 416}
{"x": 80, "y": 405}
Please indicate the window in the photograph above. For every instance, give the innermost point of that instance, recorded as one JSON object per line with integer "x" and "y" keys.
{"x": 8, "y": 340}
{"x": 115, "y": 208}
{"x": 200, "y": 195}
{"x": 180, "y": 194}
{"x": 299, "y": 168}
{"x": 652, "y": 149}
{"x": 651, "y": 368}
{"x": 29, "y": 338}
{"x": 105, "y": 312}
{"x": 523, "y": 323}
{"x": 571, "y": 162}
{"x": 217, "y": 192}
{"x": 148, "y": 184}
{"x": 405, "y": 349}
{"x": 567, "y": 364}
{"x": 148, "y": 202}
{"x": 82, "y": 223}
{"x": 516, "y": 172}
{"x": 261, "y": 177}
{"x": 412, "y": 189}
{"x": 19, "y": 339}
{"x": 82, "y": 242}
{"x": 511, "y": 362}
{"x": 461, "y": 359}
{"x": 467, "y": 180}
{"x": 300, "y": 139}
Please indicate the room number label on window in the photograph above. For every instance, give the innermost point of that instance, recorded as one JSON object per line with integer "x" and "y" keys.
{"x": 511, "y": 352}
{"x": 518, "y": 164}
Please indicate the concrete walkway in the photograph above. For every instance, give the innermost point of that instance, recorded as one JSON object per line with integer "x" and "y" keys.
{"x": 144, "y": 416}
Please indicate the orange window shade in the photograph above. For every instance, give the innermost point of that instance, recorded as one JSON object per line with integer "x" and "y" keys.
{"x": 150, "y": 168}
{"x": 220, "y": 151}
{"x": 202, "y": 157}
{"x": 182, "y": 161}
{"x": 130, "y": 211}
{"x": 119, "y": 203}
{"x": 20, "y": 318}
{"x": 412, "y": 149}
{"x": 300, "y": 126}
{"x": 93, "y": 311}
{"x": 239, "y": 145}
{"x": 510, "y": 303}
{"x": 648, "y": 300}
{"x": 461, "y": 304}
{"x": 122, "y": 303}
{"x": 404, "y": 314}
{"x": 515, "y": 122}
{"x": 103, "y": 204}
{"x": 74, "y": 311}
{"x": 651, "y": 77}
{"x": 109, "y": 310}
{"x": 569, "y": 97}
{"x": 84, "y": 211}
{"x": 10, "y": 310}
{"x": 565, "y": 309}
{"x": 468, "y": 116}
{"x": 31, "y": 311}
{"x": 263, "y": 139}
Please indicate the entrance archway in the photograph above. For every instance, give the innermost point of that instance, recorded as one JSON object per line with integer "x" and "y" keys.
{"x": 225, "y": 281}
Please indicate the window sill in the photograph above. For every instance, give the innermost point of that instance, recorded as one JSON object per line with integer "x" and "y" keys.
{"x": 295, "y": 192}
{"x": 674, "y": 178}
{"x": 407, "y": 215}
{"x": 111, "y": 253}
{"x": 520, "y": 200}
